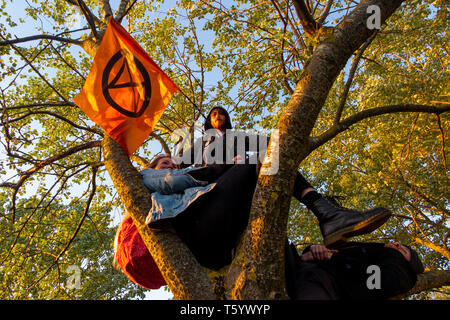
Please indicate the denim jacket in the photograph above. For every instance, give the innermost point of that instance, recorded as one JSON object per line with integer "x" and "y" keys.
{"x": 173, "y": 190}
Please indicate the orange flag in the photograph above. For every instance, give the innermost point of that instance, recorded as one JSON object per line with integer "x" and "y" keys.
{"x": 125, "y": 92}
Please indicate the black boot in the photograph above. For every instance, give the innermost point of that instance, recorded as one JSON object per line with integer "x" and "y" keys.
{"x": 338, "y": 223}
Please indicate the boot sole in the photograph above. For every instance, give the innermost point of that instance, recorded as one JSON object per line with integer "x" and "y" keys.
{"x": 364, "y": 227}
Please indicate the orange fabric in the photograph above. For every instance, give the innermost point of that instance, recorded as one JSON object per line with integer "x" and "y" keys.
{"x": 134, "y": 259}
{"x": 125, "y": 92}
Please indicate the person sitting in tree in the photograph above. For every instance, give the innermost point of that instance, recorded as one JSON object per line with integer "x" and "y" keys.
{"x": 336, "y": 223}
{"x": 208, "y": 207}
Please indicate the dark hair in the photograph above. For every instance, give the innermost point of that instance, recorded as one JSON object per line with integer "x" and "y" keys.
{"x": 415, "y": 262}
{"x": 208, "y": 124}
{"x": 155, "y": 161}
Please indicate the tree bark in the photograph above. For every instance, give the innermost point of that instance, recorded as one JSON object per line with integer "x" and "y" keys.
{"x": 182, "y": 272}
{"x": 310, "y": 26}
{"x": 258, "y": 270}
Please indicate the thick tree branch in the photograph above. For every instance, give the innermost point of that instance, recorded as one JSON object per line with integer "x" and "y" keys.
{"x": 182, "y": 272}
{"x": 123, "y": 10}
{"x": 94, "y": 17}
{"x": 308, "y": 22}
{"x": 315, "y": 142}
{"x": 107, "y": 8}
{"x": 122, "y": 7}
{"x": 89, "y": 17}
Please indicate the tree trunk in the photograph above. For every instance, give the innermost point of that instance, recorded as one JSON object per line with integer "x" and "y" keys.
{"x": 182, "y": 272}
{"x": 258, "y": 270}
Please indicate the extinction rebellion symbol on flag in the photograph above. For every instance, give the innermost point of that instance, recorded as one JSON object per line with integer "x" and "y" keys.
{"x": 126, "y": 78}
{"x": 126, "y": 92}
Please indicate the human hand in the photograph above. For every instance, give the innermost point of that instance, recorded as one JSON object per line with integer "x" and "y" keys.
{"x": 238, "y": 159}
{"x": 318, "y": 252}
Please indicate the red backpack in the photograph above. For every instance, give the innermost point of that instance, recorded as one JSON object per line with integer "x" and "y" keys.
{"x": 134, "y": 259}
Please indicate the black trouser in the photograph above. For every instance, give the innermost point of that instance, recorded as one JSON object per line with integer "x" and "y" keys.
{"x": 307, "y": 280}
{"x": 213, "y": 224}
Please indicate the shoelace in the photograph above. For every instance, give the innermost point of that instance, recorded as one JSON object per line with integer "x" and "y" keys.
{"x": 335, "y": 200}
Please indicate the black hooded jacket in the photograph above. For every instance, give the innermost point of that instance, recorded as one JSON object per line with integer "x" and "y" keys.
{"x": 196, "y": 154}
{"x": 349, "y": 275}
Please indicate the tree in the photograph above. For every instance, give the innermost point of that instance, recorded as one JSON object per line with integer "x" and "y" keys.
{"x": 45, "y": 257}
{"x": 290, "y": 70}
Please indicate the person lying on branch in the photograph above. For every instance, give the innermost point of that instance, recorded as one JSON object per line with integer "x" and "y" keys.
{"x": 351, "y": 271}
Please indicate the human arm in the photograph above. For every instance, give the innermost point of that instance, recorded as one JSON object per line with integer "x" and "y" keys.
{"x": 317, "y": 252}
{"x": 169, "y": 181}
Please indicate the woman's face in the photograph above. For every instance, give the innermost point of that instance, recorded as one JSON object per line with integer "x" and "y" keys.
{"x": 218, "y": 119}
{"x": 166, "y": 163}
{"x": 400, "y": 248}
